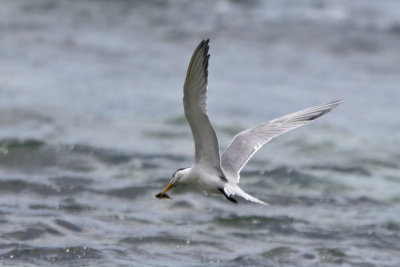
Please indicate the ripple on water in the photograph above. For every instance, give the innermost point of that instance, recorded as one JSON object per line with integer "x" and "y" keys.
{"x": 279, "y": 252}
{"x": 343, "y": 169}
{"x": 71, "y": 205}
{"x": 332, "y": 255}
{"x": 280, "y": 224}
{"x": 288, "y": 178}
{"x": 32, "y": 232}
{"x": 8, "y": 145}
{"x": 68, "y": 225}
{"x": 41, "y": 255}
{"x": 129, "y": 192}
{"x": 165, "y": 239}
{"x": 17, "y": 186}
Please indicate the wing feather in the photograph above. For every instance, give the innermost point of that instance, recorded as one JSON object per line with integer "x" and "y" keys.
{"x": 248, "y": 142}
{"x": 195, "y": 105}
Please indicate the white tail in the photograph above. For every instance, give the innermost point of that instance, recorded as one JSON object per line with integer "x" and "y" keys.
{"x": 236, "y": 190}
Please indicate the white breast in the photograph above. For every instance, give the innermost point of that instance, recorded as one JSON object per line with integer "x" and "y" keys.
{"x": 208, "y": 181}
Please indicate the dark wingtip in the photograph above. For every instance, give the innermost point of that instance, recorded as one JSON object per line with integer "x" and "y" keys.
{"x": 206, "y": 55}
{"x": 205, "y": 43}
{"x": 233, "y": 200}
{"x": 227, "y": 197}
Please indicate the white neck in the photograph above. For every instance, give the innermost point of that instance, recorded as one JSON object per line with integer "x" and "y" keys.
{"x": 185, "y": 175}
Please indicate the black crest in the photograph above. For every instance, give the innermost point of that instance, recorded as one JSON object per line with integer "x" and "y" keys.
{"x": 177, "y": 171}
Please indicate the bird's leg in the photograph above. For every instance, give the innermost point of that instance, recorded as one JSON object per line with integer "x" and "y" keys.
{"x": 227, "y": 197}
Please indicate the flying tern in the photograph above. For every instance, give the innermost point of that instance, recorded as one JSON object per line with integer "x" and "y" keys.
{"x": 220, "y": 174}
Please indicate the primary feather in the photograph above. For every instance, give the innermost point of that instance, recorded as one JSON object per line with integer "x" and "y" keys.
{"x": 195, "y": 106}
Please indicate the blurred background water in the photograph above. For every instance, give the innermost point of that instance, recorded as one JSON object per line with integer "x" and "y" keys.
{"x": 92, "y": 127}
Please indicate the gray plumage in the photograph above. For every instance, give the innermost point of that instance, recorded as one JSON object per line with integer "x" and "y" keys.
{"x": 248, "y": 142}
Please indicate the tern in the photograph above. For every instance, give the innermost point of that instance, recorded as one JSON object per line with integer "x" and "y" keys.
{"x": 220, "y": 174}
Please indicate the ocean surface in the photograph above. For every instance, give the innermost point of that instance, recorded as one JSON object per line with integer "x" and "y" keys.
{"x": 92, "y": 127}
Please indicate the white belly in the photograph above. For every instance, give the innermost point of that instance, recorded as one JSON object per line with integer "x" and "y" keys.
{"x": 207, "y": 181}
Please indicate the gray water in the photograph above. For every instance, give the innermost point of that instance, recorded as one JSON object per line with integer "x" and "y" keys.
{"x": 92, "y": 127}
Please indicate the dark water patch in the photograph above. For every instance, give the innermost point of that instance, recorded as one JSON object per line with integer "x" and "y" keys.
{"x": 14, "y": 186}
{"x": 331, "y": 255}
{"x": 364, "y": 264}
{"x": 8, "y": 145}
{"x": 171, "y": 157}
{"x": 127, "y": 218}
{"x": 378, "y": 162}
{"x": 130, "y": 192}
{"x": 178, "y": 121}
{"x": 115, "y": 157}
{"x": 71, "y": 206}
{"x": 41, "y": 157}
{"x": 19, "y": 186}
{"x": 302, "y": 200}
{"x": 35, "y": 156}
{"x": 21, "y": 27}
{"x": 40, "y": 7}
{"x": 71, "y": 181}
{"x": 106, "y": 156}
{"x": 287, "y": 175}
{"x": 189, "y": 248}
{"x": 41, "y": 207}
{"x": 290, "y": 178}
{"x": 363, "y": 200}
{"x": 284, "y": 223}
{"x": 165, "y": 239}
{"x": 246, "y": 260}
{"x": 392, "y": 178}
{"x": 279, "y": 253}
{"x": 164, "y": 134}
{"x": 391, "y": 226}
{"x": 308, "y": 256}
{"x": 31, "y": 232}
{"x": 374, "y": 238}
{"x": 321, "y": 200}
{"x": 394, "y": 29}
{"x": 77, "y": 255}
{"x": 182, "y": 204}
{"x": 320, "y": 234}
{"x": 311, "y": 147}
{"x": 348, "y": 170}
{"x": 68, "y": 225}
{"x": 280, "y": 256}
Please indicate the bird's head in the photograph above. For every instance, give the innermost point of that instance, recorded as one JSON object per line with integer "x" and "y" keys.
{"x": 176, "y": 179}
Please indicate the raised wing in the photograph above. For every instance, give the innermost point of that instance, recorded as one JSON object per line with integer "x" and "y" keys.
{"x": 195, "y": 105}
{"x": 248, "y": 142}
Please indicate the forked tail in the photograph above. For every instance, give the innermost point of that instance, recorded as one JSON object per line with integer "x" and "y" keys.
{"x": 234, "y": 189}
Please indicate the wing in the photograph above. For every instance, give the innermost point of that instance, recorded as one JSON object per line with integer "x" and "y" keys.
{"x": 248, "y": 142}
{"x": 195, "y": 105}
